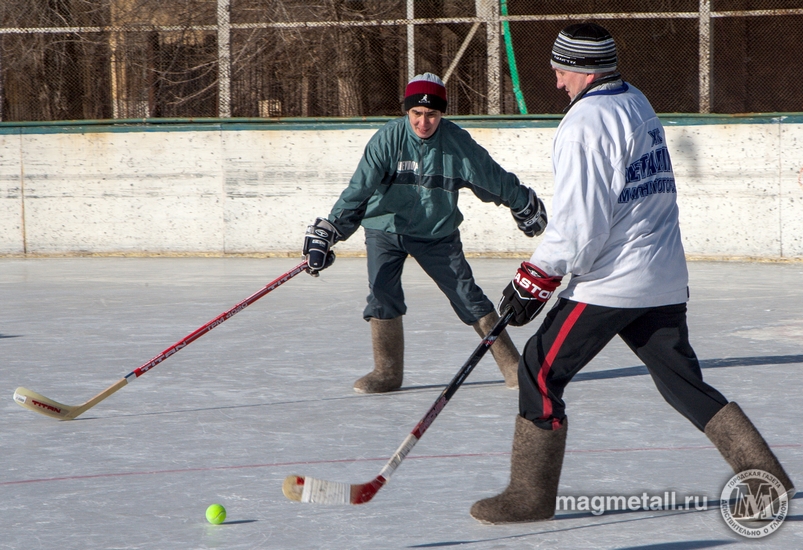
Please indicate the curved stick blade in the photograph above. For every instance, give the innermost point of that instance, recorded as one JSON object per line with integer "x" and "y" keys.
{"x": 308, "y": 489}
{"x": 319, "y": 491}
{"x": 360, "y": 494}
{"x": 316, "y": 491}
{"x": 41, "y": 404}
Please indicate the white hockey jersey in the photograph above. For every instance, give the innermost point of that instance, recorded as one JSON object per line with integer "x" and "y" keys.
{"x": 614, "y": 219}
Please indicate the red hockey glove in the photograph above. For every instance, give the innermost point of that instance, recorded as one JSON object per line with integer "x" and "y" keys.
{"x": 527, "y": 293}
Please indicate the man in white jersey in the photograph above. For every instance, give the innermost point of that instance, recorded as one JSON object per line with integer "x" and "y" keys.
{"x": 614, "y": 230}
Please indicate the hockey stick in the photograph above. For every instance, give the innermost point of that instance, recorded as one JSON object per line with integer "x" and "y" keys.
{"x": 41, "y": 404}
{"x": 318, "y": 491}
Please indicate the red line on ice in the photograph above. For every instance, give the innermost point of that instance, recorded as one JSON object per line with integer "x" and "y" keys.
{"x": 342, "y": 461}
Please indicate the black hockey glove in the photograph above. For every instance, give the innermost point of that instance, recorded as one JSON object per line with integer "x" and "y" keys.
{"x": 532, "y": 218}
{"x": 317, "y": 243}
{"x": 527, "y": 293}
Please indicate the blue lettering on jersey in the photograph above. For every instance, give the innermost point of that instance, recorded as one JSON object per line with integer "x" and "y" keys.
{"x": 658, "y": 185}
{"x": 645, "y": 170}
{"x": 649, "y": 165}
{"x": 656, "y": 137}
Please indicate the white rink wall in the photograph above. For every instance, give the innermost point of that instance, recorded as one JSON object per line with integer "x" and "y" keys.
{"x": 251, "y": 187}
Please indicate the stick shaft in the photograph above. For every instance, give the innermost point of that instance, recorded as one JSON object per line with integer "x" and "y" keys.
{"x": 52, "y": 408}
{"x": 312, "y": 490}
{"x": 462, "y": 374}
{"x": 439, "y": 404}
{"x": 226, "y": 315}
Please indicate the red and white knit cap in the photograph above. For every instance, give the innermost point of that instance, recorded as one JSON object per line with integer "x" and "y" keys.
{"x": 425, "y": 90}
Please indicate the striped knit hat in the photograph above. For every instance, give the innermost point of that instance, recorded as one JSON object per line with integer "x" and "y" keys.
{"x": 425, "y": 90}
{"x": 584, "y": 48}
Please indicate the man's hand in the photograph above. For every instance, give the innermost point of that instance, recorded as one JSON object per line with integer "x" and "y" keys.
{"x": 317, "y": 243}
{"x": 532, "y": 218}
{"x": 527, "y": 293}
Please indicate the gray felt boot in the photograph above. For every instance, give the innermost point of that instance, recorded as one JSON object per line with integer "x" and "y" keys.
{"x": 535, "y": 465}
{"x": 742, "y": 446}
{"x": 503, "y": 350}
{"x": 388, "y": 340}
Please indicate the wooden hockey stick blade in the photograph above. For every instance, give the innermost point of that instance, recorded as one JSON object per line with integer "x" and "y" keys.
{"x": 41, "y": 404}
{"x": 318, "y": 491}
{"x": 48, "y": 407}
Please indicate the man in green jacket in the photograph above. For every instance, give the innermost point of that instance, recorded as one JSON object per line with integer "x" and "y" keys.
{"x": 404, "y": 193}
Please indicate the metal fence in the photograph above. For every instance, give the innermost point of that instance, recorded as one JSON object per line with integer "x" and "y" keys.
{"x": 121, "y": 59}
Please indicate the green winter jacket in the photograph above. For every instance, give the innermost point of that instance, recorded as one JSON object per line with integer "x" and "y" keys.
{"x": 409, "y": 186}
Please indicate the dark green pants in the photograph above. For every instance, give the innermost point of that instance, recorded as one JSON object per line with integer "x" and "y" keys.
{"x": 442, "y": 259}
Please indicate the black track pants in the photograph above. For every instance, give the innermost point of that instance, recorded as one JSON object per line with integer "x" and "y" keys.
{"x": 573, "y": 333}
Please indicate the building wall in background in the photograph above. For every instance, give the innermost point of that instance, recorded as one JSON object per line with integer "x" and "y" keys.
{"x": 214, "y": 187}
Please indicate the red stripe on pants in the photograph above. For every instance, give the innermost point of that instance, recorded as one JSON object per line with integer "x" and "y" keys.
{"x": 550, "y": 357}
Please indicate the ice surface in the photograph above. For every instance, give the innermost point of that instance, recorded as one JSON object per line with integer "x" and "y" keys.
{"x": 268, "y": 394}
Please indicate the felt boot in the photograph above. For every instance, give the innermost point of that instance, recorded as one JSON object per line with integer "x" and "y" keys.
{"x": 535, "y": 465}
{"x": 503, "y": 350}
{"x": 742, "y": 446}
{"x": 388, "y": 342}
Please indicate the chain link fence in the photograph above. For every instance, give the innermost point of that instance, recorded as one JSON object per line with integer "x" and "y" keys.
{"x": 133, "y": 59}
